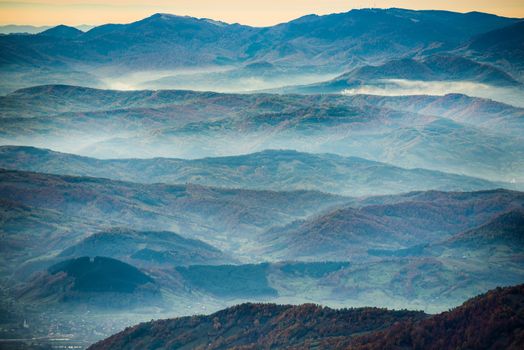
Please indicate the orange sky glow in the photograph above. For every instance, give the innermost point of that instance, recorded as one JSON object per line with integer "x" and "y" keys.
{"x": 250, "y": 12}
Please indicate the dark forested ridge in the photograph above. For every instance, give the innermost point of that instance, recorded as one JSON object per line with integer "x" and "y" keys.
{"x": 494, "y": 320}
{"x": 256, "y": 326}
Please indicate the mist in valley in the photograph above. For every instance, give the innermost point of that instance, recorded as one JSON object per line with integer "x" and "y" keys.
{"x": 219, "y": 79}
{"x": 400, "y": 87}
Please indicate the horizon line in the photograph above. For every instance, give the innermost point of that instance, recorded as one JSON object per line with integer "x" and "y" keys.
{"x": 248, "y": 25}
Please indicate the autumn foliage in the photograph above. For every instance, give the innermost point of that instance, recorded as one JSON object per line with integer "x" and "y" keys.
{"x": 494, "y": 320}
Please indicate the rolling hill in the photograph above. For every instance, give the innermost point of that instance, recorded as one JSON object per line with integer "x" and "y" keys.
{"x": 47, "y": 218}
{"x": 463, "y": 109}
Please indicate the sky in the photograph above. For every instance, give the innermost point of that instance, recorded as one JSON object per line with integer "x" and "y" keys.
{"x": 250, "y": 12}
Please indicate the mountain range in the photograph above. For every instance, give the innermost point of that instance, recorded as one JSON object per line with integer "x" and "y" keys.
{"x": 175, "y": 41}
{"x": 172, "y": 45}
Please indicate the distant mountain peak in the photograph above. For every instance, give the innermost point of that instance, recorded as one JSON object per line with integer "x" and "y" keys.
{"x": 62, "y": 31}
{"x": 166, "y": 16}
{"x": 171, "y": 17}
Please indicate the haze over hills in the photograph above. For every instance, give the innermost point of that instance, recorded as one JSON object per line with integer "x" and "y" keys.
{"x": 460, "y": 108}
{"x": 268, "y": 170}
{"x": 415, "y": 268}
{"x": 364, "y": 159}
{"x": 260, "y": 75}
{"x": 226, "y": 217}
{"x": 434, "y": 68}
{"x": 12, "y": 28}
{"x": 419, "y": 219}
{"x": 246, "y": 225}
{"x": 29, "y": 29}
{"x": 115, "y": 124}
